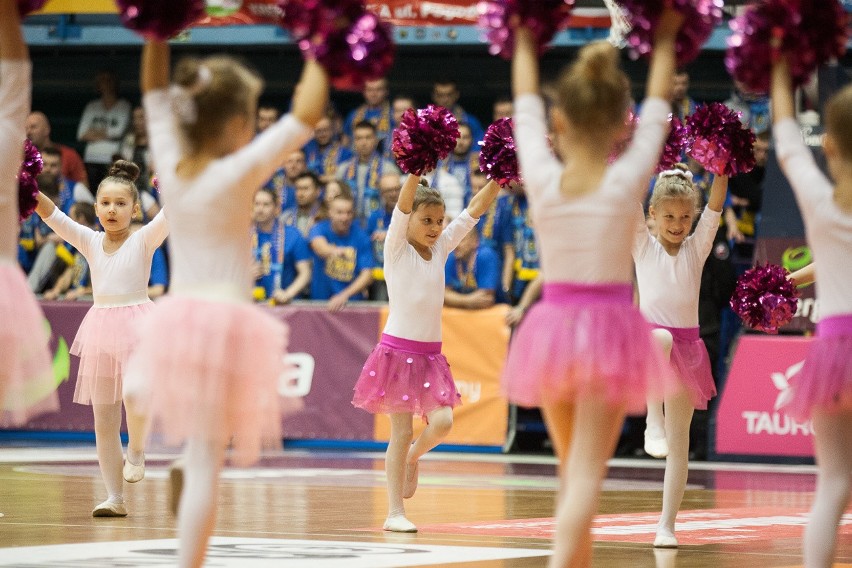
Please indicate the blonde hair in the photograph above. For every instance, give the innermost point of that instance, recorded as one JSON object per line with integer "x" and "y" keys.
{"x": 123, "y": 173}
{"x": 838, "y": 121}
{"x": 674, "y": 184}
{"x": 220, "y": 87}
{"x": 594, "y": 93}
{"x": 425, "y": 195}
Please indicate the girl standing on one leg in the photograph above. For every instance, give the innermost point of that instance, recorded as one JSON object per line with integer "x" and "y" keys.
{"x": 668, "y": 271}
{"x": 120, "y": 265}
{"x": 584, "y": 347}
{"x": 823, "y": 389}
{"x": 406, "y": 374}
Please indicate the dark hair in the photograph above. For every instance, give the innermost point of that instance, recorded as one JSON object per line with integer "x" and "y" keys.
{"x": 365, "y": 124}
{"x": 311, "y": 175}
{"x": 123, "y": 173}
{"x": 266, "y": 189}
{"x": 51, "y": 151}
{"x": 85, "y": 210}
{"x": 48, "y": 184}
{"x": 345, "y": 188}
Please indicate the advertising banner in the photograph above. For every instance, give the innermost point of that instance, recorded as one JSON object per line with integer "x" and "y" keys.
{"x": 750, "y": 421}
{"x": 792, "y": 253}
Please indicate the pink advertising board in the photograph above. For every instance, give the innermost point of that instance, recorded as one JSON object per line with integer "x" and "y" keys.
{"x": 750, "y": 421}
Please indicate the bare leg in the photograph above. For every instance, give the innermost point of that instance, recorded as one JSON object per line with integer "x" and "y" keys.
{"x": 679, "y": 410}
{"x": 655, "y": 430}
{"x": 596, "y": 429}
{"x": 197, "y": 518}
{"x": 834, "y": 461}
{"x": 398, "y": 447}
{"x": 560, "y": 425}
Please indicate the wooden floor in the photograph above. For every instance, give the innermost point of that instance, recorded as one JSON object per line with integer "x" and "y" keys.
{"x": 325, "y": 509}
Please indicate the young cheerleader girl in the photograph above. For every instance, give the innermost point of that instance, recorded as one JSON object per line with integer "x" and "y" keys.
{"x": 823, "y": 389}
{"x": 585, "y": 350}
{"x": 406, "y": 373}
{"x": 208, "y": 363}
{"x": 668, "y": 271}
{"x": 120, "y": 265}
{"x": 25, "y": 368}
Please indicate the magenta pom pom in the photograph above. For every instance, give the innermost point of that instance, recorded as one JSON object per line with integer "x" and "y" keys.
{"x": 159, "y": 19}
{"x": 31, "y": 166}
{"x": 423, "y": 137}
{"x": 28, "y": 6}
{"x": 701, "y": 16}
{"x": 807, "y": 33}
{"x": 765, "y": 298}
{"x": 543, "y": 17}
{"x": 351, "y": 43}
{"x": 676, "y": 143}
{"x": 719, "y": 141}
{"x": 498, "y": 158}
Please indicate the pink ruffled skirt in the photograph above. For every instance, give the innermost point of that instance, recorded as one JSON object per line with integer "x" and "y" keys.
{"x": 405, "y": 376}
{"x": 825, "y": 381}
{"x": 210, "y": 370}
{"x": 104, "y": 341}
{"x": 586, "y": 340}
{"x": 691, "y": 364}
{"x": 26, "y": 370}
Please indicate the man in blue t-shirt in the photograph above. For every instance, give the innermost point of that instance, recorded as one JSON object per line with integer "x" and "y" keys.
{"x": 472, "y": 275}
{"x": 343, "y": 257}
{"x": 377, "y": 227}
{"x": 282, "y": 266}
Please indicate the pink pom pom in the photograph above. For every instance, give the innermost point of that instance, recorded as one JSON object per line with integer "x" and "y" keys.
{"x": 720, "y": 142}
{"x": 807, "y": 33}
{"x": 543, "y": 17}
{"x": 701, "y": 16}
{"x": 676, "y": 143}
{"x": 159, "y": 19}
{"x": 28, "y": 6}
{"x": 31, "y": 166}
{"x": 351, "y": 43}
{"x": 423, "y": 137}
{"x": 765, "y": 298}
{"x": 498, "y": 158}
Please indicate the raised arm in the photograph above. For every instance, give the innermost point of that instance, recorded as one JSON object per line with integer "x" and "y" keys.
{"x": 45, "y": 206}
{"x": 524, "y": 64}
{"x": 803, "y": 276}
{"x": 12, "y": 45}
{"x": 405, "y": 202}
{"x": 663, "y": 58}
{"x": 717, "y": 193}
{"x": 483, "y": 199}
{"x": 156, "y": 59}
{"x": 781, "y": 90}
{"x": 311, "y": 97}
{"x": 77, "y": 235}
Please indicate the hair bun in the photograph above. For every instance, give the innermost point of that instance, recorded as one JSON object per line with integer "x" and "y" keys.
{"x": 598, "y": 61}
{"x": 124, "y": 169}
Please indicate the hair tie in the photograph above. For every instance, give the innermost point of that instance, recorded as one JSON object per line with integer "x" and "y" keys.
{"x": 675, "y": 172}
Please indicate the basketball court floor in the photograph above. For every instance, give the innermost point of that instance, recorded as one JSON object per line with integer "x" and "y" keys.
{"x": 324, "y": 509}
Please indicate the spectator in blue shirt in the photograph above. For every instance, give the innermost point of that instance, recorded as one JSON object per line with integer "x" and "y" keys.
{"x": 472, "y": 275}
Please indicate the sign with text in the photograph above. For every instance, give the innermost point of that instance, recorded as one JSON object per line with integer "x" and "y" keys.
{"x": 750, "y": 420}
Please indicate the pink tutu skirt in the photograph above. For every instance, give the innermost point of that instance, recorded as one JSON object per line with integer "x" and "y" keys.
{"x": 691, "y": 364}
{"x": 210, "y": 370}
{"x": 586, "y": 340}
{"x": 26, "y": 370}
{"x": 825, "y": 381}
{"x": 405, "y": 376}
{"x": 103, "y": 343}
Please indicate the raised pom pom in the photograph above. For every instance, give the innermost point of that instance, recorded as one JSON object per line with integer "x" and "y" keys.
{"x": 351, "y": 43}
{"x": 543, "y": 18}
{"x": 423, "y": 137}
{"x": 28, "y": 6}
{"x": 807, "y": 33}
{"x": 31, "y": 166}
{"x": 701, "y": 17}
{"x": 159, "y": 19}
{"x": 676, "y": 143}
{"x": 498, "y": 158}
{"x": 765, "y": 298}
{"x": 719, "y": 141}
